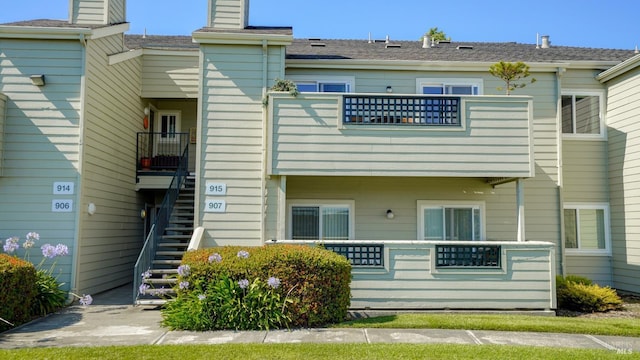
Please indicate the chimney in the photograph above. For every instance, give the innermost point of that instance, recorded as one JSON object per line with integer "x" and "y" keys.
{"x": 426, "y": 42}
{"x": 545, "y": 42}
{"x": 97, "y": 12}
{"x": 228, "y": 14}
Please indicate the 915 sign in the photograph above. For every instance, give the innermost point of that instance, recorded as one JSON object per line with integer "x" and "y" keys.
{"x": 214, "y": 188}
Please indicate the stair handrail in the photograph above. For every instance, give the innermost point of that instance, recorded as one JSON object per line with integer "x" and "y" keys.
{"x": 145, "y": 259}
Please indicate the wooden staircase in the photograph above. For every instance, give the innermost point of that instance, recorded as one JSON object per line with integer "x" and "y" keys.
{"x": 162, "y": 276}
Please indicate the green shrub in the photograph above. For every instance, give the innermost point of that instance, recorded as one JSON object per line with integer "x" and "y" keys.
{"x": 578, "y": 293}
{"x": 17, "y": 290}
{"x": 313, "y": 286}
{"x": 49, "y": 295}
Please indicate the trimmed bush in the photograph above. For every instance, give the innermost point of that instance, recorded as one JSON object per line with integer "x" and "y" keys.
{"x": 313, "y": 288}
{"x": 17, "y": 290}
{"x": 577, "y": 293}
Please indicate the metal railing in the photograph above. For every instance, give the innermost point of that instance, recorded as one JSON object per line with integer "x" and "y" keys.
{"x": 162, "y": 218}
{"x": 401, "y": 110}
{"x": 160, "y": 150}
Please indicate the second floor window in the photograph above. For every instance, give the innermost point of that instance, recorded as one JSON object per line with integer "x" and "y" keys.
{"x": 581, "y": 114}
{"x": 323, "y": 83}
{"x": 449, "y": 86}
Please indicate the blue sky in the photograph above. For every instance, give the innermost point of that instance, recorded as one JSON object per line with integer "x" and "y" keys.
{"x": 586, "y": 23}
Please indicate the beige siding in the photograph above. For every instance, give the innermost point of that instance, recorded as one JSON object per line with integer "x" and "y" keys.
{"x": 228, "y": 14}
{"x": 3, "y": 109}
{"x": 117, "y": 11}
{"x": 41, "y": 141}
{"x": 596, "y": 268}
{"x": 410, "y": 280}
{"x": 373, "y": 196}
{"x": 231, "y": 139}
{"x": 170, "y": 75}
{"x": 111, "y": 239}
{"x": 308, "y": 139}
{"x": 584, "y": 171}
{"x": 623, "y": 107}
{"x": 88, "y": 11}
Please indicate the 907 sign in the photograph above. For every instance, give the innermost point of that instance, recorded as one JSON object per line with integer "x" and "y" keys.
{"x": 215, "y": 205}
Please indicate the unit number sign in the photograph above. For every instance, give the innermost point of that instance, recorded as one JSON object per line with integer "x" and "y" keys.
{"x": 215, "y": 205}
{"x": 214, "y": 188}
{"x": 63, "y": 205}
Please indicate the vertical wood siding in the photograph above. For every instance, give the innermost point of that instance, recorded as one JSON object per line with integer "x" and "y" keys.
{"x": 231, "y": 143}
{"x": 623, "y": 105}
{"x": 41, "y": 141}
{"x": 110, "y": 240}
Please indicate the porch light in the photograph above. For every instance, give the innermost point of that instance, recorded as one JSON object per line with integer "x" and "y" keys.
{"x": 37, "y": 80}
{"x": 389, "y": 89}
{"x": 390, "y": 214}
{"x": 91, "y": 208}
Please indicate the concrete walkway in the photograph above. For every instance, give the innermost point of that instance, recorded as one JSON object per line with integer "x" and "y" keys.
{"x": 112, "y": 320}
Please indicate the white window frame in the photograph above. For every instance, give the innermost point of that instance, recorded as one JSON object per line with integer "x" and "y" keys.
{"x": 349, "y": 81}
{"x": 158, "y": 125}
{"x": 350, "y": 204}
{"x": 422, "y": 82}
{"x": 607, "y": 232}
{"x": 425, "y": 204}
{"x": 601, "y": 102}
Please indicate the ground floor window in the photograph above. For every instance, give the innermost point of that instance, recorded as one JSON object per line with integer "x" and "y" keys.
{"x": 586, "y": 228}
{"x": 321, "y": 221}
{"x": 450, "y": 221}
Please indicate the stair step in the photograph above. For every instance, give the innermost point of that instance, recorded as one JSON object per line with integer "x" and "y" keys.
{"x": 176, "y": 237}
{"x": 169, "y": 253}
{"x": 163, "y": 271}
{"x": 151, "y": 301}
{"x": 173, "y": 244}
{"x": 179, "y": 228}
{"x": 161, "y": 281}
{"x": 168, "y": 262}
{"x": 167, "y": 291}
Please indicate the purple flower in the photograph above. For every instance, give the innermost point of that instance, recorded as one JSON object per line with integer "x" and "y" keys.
{"x": 243, "y": 283}
{"x": 48, "y": 251}
{"x": 274, "y": 282}
{"x": 86, "y": 300}
{"x": 146, "y": 274}
{"x": 215, "y": 258}
{"x": 11, "y": 245}
{"x": 32, "y": 237}
{"x": 184, "y": 285}
{"x": 162, "y": 291}
{"x": 143, "y": 289}
{"x": 202, "y": 297}
{"x": 243, "y": 254}
{"x": 184, "y": 270}
{"x": 62, "y": 250}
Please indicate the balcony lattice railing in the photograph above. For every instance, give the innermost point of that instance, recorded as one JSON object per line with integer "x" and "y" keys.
{"x": 401, "y": 110}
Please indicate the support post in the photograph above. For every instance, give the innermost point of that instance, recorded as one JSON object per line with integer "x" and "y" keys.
{"x": 520, "y": 209}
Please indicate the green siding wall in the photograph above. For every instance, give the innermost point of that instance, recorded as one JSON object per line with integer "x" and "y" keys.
{"x": 41, "y": 141}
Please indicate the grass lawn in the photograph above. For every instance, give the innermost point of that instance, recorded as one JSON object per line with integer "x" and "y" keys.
{"x": 312, "y": 351}
{"x": 592, "y": 326}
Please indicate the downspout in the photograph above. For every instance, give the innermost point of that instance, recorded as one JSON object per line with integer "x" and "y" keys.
{"x": 520, "y": 209}
{"x": 561, "y": 247}
{"x": 73, "y": 283}
{"x": 263, "y": 180}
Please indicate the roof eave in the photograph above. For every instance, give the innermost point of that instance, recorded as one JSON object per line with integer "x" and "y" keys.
{"x": 60, "y": 33}
{"x": 619, "y": 69}
{"x": 239, "y": 38}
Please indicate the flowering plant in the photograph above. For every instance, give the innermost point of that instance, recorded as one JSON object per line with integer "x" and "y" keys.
{"x": 49, "y": 295}
{"x": 225, "y": 303}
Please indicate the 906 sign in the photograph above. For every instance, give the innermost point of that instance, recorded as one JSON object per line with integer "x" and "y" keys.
{"x": 62, "y": 205}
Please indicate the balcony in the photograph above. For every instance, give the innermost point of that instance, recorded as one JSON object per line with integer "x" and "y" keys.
{"x": 397, "y": 135}
{"x": 158, "y": 156}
